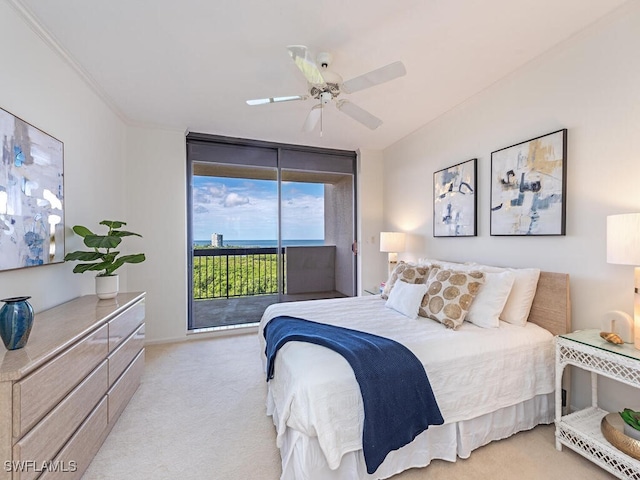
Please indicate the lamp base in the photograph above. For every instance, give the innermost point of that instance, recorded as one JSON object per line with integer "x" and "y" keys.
{"x": 392, "y": 267}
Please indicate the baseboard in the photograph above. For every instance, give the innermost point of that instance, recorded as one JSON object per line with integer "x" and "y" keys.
{"x": 204, "y": 333}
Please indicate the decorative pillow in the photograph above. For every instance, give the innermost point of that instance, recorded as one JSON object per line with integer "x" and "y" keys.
{"x": 432, "y": 262}
{"x": 516, "y": 310}
{"x": 405, "y": 298}
{"x": 407, "y": 272}
{"x": 449, "y": 295}
{"x": 488, "y": 305}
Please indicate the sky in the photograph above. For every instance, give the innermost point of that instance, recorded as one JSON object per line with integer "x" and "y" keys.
{"x": 246, "y": 209}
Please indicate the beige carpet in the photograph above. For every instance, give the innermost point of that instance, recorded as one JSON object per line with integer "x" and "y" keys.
{"x": 200, "y": 414}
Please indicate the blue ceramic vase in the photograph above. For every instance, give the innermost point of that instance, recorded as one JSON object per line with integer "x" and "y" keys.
{"x": 16, "y": 319}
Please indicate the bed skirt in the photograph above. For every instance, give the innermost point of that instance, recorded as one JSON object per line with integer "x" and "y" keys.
{"x": 302, "y": 458}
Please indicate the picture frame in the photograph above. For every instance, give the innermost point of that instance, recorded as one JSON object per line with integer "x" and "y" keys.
{"x": 31, "y": 195}
{"x": 455, "y": 201}
{"x": 529, "y": 187}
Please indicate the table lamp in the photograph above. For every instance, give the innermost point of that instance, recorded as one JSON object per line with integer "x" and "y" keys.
{"x": 392, "y": 243}
{"x": 623, "y": 247}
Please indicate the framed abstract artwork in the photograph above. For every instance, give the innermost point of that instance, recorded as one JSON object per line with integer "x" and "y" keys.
{"x": 455, "y": 201}
{"x": 529, "y": 186}
{"x": 31, "y": 195}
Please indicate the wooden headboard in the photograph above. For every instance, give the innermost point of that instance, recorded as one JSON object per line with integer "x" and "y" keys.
{"x": 551, "y": 308}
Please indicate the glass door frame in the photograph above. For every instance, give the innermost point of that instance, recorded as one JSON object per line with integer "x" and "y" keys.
{"x": 197, "y": 143}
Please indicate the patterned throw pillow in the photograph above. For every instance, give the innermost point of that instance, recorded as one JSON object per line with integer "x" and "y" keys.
{"x": 449, "y": 295}
{"x": 406, "y": 272}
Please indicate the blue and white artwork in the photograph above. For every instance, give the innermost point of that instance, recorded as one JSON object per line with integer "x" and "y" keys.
{"x": 528, "y": 187}
{"x": 455, "y": 200}
{"x": 31, "y": 195}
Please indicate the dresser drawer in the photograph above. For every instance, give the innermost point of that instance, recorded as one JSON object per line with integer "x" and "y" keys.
{"x": 44, "y": 441}
{"x": 77, "y": 454}
{"x": 127, "y": 351}
{"x": 124, "y": 324}
{"x": 120, "y": 394}
{"x": 38, "y": 393}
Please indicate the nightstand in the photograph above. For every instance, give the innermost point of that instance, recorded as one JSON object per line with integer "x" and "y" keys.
{"x": 580, "y": 430}
{"x": 372, "y": 291}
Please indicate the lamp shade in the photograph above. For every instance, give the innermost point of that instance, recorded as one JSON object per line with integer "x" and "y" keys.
{"x": 392, "y": 242}
{"x": 623, "y": 239}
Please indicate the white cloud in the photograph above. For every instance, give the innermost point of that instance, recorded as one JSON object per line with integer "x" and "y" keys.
{"x": 249, "y": 210}
{"x": 234, "y": 200}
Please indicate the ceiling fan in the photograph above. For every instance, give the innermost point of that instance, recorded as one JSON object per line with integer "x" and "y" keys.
{"x": 325, "y": 86}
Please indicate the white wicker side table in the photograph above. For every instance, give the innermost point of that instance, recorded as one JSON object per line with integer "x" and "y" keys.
{"x": 580, "y": 430}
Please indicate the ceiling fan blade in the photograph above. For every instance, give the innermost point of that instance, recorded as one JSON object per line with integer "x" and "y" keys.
{"x": 301, "y": 57}
{"x": 375, "y": 77}
{"x": 263, "y": 101}
{"x": 359, "y": 114}
{"x": 312, "y": 119}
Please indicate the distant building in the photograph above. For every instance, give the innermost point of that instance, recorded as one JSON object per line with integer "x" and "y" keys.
{"x": 216, "y": 240}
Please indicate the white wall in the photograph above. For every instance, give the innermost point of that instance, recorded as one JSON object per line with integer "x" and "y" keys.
{"x": 372, "y": 266}
{"x": 156, "y": 205}
{"x": 589, "y": 85}
{"x": 42, "y": 89}
{"x": 112, "y": 171}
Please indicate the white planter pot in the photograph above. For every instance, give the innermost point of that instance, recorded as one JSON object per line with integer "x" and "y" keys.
{"x": 107, "y": 287}
{"x": 629, "y": 431}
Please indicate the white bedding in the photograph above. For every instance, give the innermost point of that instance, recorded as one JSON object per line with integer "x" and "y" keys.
{"x": 473, "y": 371}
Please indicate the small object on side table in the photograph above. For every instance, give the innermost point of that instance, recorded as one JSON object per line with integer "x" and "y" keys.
{"x": 631, "y": 420}
{"x": 612, "y": 337}
{"x": 612, "y": 427}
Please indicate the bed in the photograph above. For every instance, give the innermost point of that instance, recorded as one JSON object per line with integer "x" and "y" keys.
{"x": 489, "y": 383}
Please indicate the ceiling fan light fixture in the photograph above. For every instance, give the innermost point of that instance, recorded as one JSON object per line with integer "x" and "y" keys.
{"x": 325, "y": 86}
{"x": 300, "y": 56}
{"x": 331, "y": 77}
{"x": 358, "y": 114}
{"x": 325, "y": 97}
{"x": 312, "y": 118}
{"x": 264, "y": 101}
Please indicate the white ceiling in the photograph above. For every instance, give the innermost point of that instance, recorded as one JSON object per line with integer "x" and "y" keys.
{"x": 191, "y": 64}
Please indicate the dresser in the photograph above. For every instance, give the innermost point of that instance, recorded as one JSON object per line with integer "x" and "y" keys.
{"x": 62, "y": 393}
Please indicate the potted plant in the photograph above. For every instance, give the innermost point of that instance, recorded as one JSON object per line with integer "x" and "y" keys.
{"x": 631, "y": 423}
{"x": 102, "y": 257}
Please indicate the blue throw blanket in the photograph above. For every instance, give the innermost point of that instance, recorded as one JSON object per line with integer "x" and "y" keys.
{"x": 397, "y": 397}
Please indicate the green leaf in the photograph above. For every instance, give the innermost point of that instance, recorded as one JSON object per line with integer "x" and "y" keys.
{"x": 110, "y": 257}
{"x": 102, "y": 241}
{"x": 104, "y": 258}
{"x": 83, "y": 256}
{"x": 630, "y": 418}
{"x": 112, "y": 223}
{"x": 82, "y": 231}
{"x": 124, "y": 233}
{"x": 84, "y": 267}
{"x": 135, "y": 258}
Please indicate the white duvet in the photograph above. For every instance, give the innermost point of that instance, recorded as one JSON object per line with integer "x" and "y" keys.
{"x": 472, "y": 370}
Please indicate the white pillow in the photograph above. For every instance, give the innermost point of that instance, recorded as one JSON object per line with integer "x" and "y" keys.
{"x": 516, "y": 310}
{"x": 488, "y": 305}
{"x": 445, "y": 265}
{"x": 405, "y": 298}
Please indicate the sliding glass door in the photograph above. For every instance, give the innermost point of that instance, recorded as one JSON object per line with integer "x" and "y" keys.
{"x": 317, "y": 210}
{"x": 267, "y": 224}
{"x": 235, "y": 258}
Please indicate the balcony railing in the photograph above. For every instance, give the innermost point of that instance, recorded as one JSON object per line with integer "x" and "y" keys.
{"x": 235, "y": 272}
